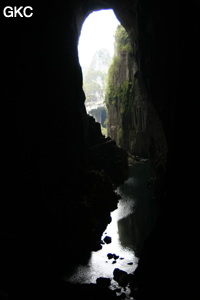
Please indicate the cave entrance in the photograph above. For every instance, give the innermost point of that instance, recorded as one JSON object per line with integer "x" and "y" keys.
{"x": 96, "y": 50}
{"x": 128, "y": 108}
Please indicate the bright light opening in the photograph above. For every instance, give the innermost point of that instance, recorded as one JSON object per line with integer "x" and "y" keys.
{"x": 97, "y": 32}
{"x": 96, "y": 49}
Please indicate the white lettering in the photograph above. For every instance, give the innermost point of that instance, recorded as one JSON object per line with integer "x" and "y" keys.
{"x": 10, "y": 12}
{"x": 30, "y": 14}
{"x": 17, "y": 11}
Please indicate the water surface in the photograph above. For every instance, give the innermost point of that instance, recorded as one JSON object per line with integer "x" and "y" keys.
{"x": 130, "y": 218}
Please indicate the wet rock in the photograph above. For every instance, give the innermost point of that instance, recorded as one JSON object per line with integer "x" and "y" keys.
{"x": 110, "y": 255}
{"x": 103, "y": 281}
{"x": 123, "y": 296}
{"x": 114, "y": 262}
{"x": 121, "y": 277}
{"x": 107, "y": 239}
{"x": 97, "y": 245}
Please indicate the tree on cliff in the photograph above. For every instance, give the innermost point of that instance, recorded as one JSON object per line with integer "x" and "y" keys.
{"x": 122, "y": 47}
{"x": 95, "y": 76}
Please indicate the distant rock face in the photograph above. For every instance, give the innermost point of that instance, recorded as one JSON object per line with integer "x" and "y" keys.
{"x": 99, "y": 113}
{"x": 94, "y": 79}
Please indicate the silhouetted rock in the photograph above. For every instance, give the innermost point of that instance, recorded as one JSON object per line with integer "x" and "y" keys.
{"x": 115, "y": 256}
{"x": 121, "y": 277}
{"x": 102, "y": 281}
{"x": 110, "y": 255}
{"x": 122, "y": 296}
{"x": 98, "y": 291}
{"x": 114, "y": 262}
{"x": 107, "y": 239}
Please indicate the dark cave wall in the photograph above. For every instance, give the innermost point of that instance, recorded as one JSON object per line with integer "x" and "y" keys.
{"x": 55, "y": 198}
{"x": 39, "y": 96}
{"x": 167, "y": 35}
{"x": 45, "y": 135}
{"x": 42, "y": 142}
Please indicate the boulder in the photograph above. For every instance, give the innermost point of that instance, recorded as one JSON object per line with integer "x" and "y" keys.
{"x": 110, "y": 255}
{"x": 107, "y": 239}
{"x": 121, "y": 277}
{"x": 103, "y": 281}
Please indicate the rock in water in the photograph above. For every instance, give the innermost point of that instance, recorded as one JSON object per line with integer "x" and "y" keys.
{"x": 121, "y": 277}
{"x": 102, "y": 281}
{"x": 107, "y": 239}
{"x": 110, "y": 255}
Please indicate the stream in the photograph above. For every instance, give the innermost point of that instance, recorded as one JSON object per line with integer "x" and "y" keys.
{"x": 131, "y": 223}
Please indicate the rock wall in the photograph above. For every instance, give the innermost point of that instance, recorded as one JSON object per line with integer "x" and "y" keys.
{"x": 133, "y": 122}
{"x": 99, "y": 114}
{"x": 56, "y": 194}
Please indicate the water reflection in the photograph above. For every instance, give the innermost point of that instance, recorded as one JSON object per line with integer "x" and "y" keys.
{"x": 130, "y": 221}
{"x": 99, "y": 265}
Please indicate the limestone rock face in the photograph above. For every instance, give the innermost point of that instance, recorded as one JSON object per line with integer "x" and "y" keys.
{"x": 132, "y": 119}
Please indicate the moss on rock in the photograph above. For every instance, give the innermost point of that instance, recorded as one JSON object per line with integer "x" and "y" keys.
{"x": 120, "y": 92}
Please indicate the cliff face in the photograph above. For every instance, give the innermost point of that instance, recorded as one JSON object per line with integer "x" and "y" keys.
{"x": 120, "y": 94}
{"x": 132, "y": 119}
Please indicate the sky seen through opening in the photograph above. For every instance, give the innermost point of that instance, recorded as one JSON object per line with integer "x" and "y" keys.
{"x": 97, "y": 32}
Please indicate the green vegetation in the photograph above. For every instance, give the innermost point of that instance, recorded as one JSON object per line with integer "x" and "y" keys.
{"x": 119, "y": 91}
{"x": 104, "y": 130}
{"x": 120, "y": 87}
{"x": 122, "y": 42}
{"x": 95, "y": 76}
{"x": 111, "y": 92}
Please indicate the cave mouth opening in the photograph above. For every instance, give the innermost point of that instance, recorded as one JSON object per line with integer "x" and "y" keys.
{"x": 126, "y": 116}
{"x": 96, "y": 51}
